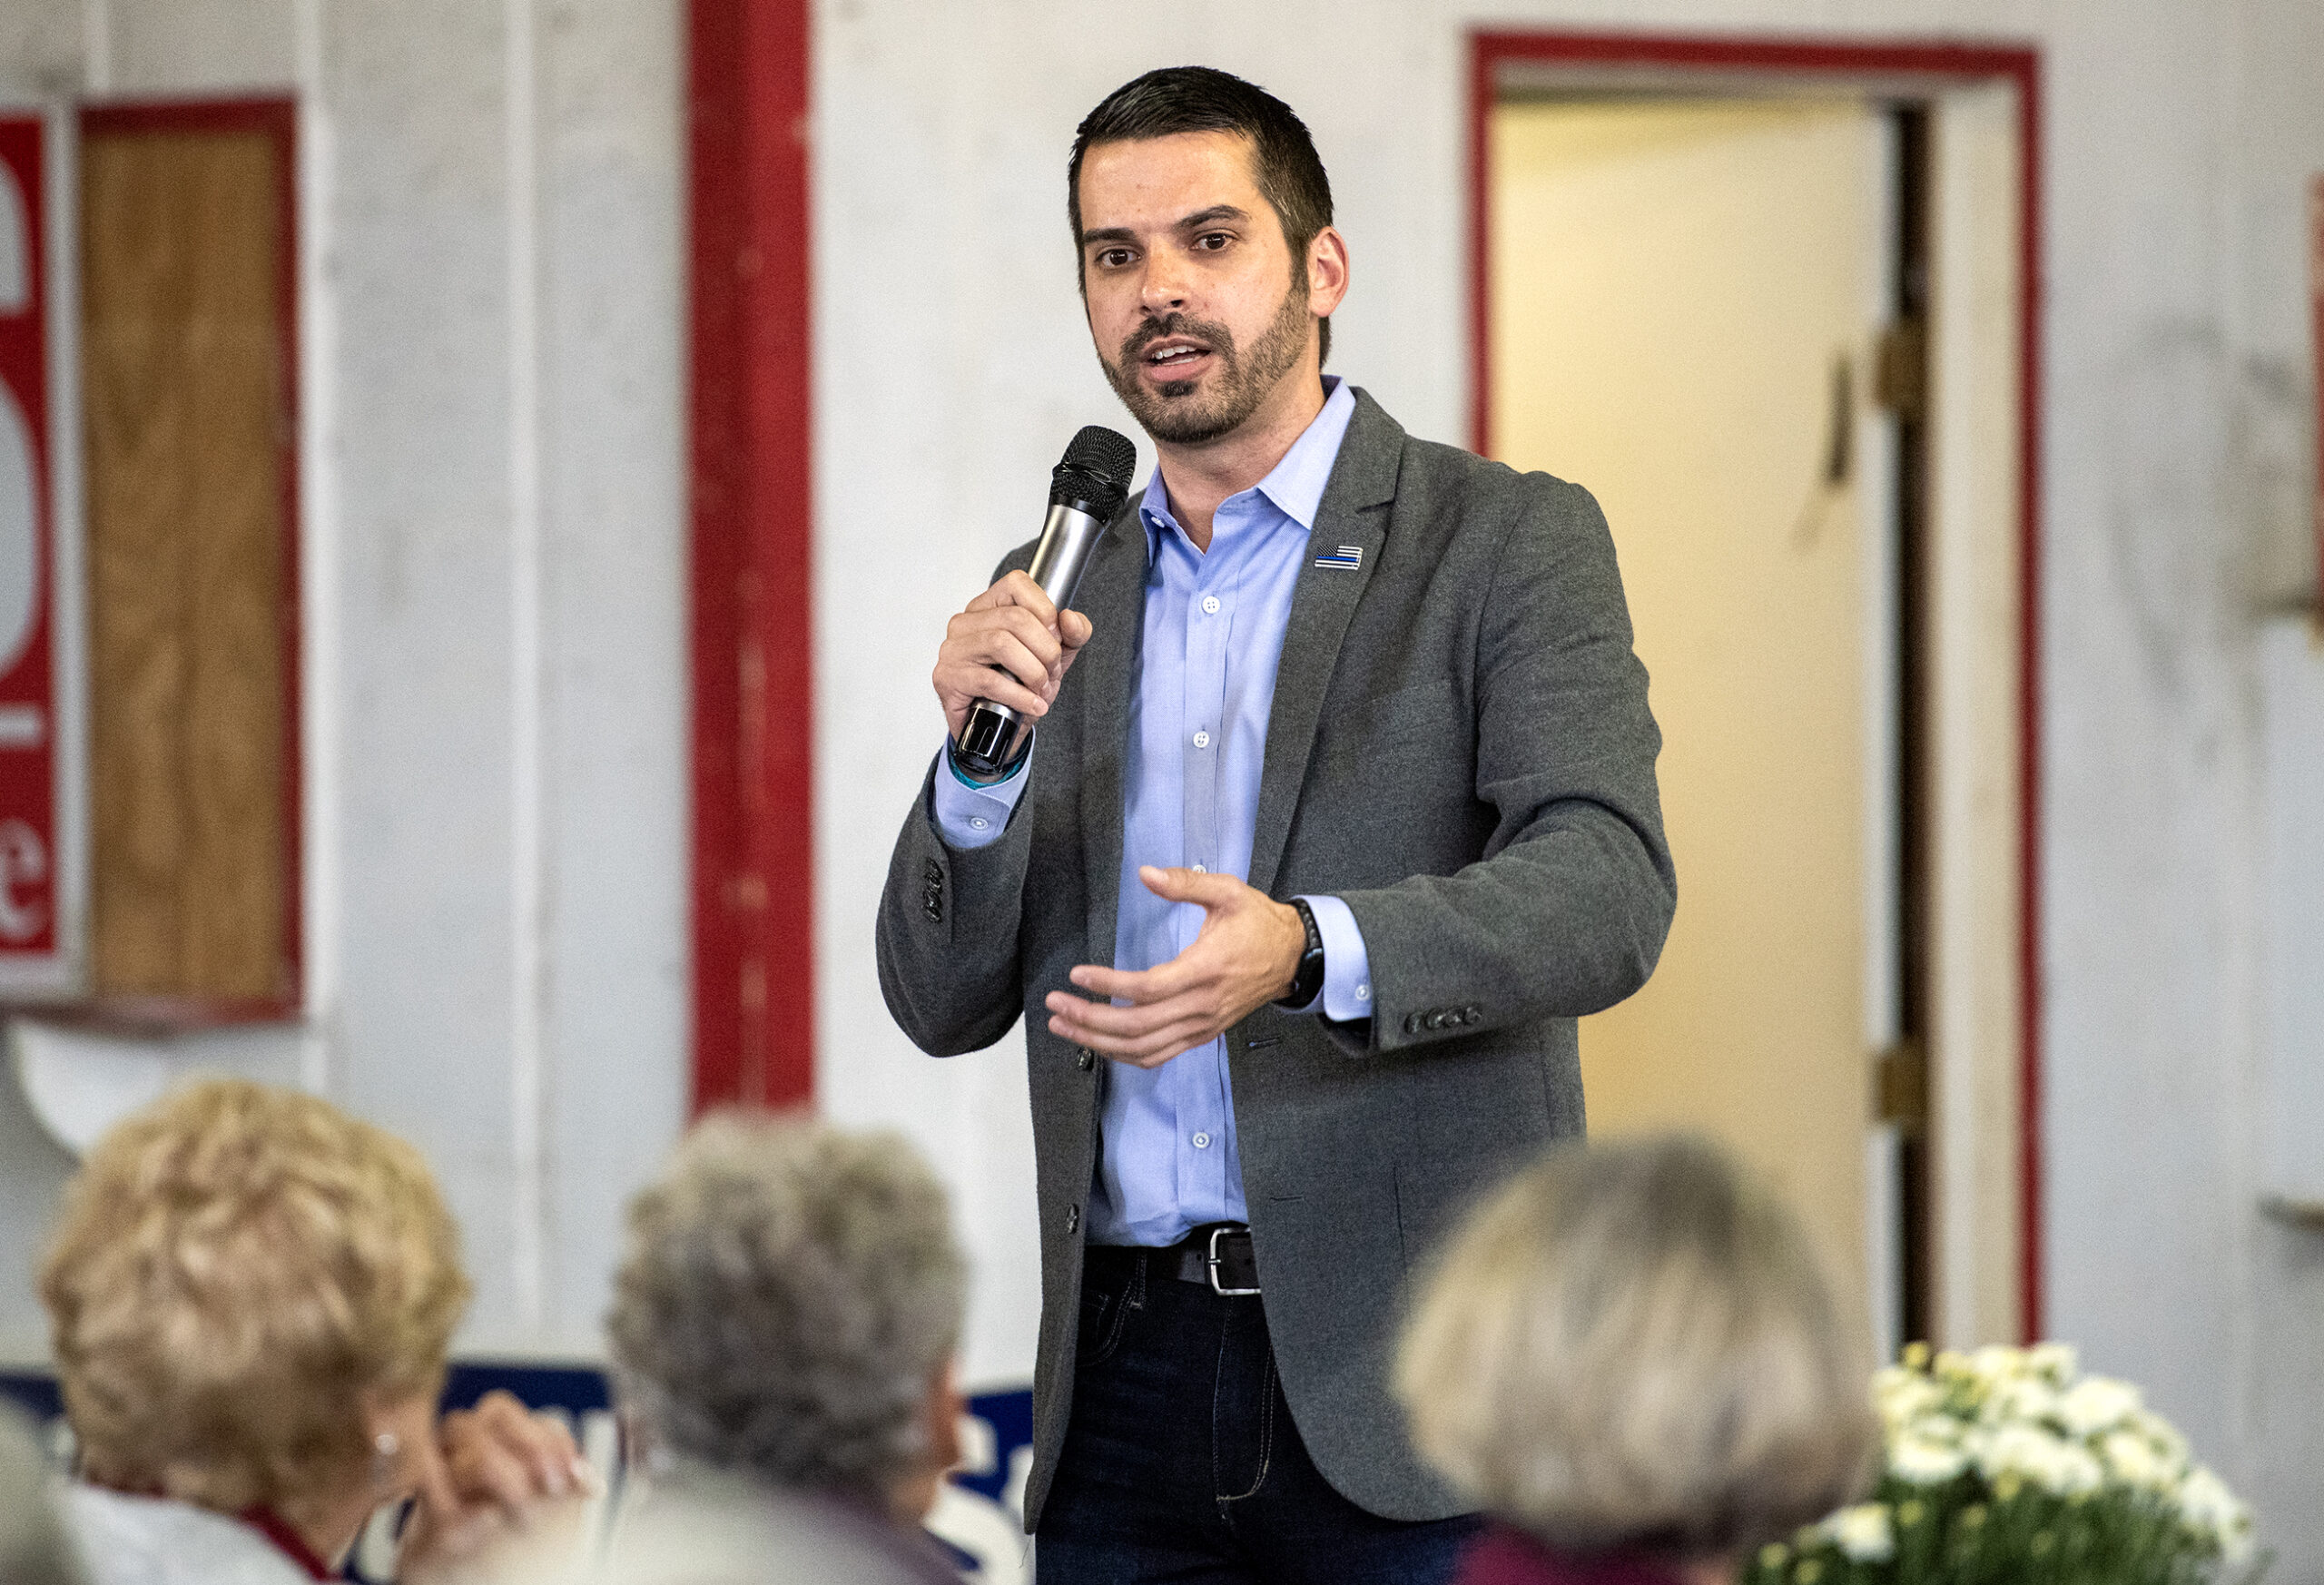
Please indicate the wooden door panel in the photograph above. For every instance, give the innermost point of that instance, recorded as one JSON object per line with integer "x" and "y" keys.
{"x": 187, "y": 425}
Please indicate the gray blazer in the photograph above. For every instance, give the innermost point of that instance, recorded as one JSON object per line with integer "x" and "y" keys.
{"x": 1460, "y": 746}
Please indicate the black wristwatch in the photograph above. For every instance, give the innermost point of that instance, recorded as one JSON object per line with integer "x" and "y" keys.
{"x": 1307, "y": 984}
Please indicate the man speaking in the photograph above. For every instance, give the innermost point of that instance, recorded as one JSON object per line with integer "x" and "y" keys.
{"x": 1338, "y": 809}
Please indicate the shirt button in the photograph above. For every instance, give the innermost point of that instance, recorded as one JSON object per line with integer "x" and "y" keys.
{"x": 1363, "y": 993}
{"x": 1201, "y": 870}
{"x": 1202, "y": 740}
{"x": 978, "y": 822}
{"x": 1210, "y": 604}
{"x": 1202, "y": 1141}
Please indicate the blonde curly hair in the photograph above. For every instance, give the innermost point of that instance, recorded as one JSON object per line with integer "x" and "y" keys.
{"x": 238, "y": 1271}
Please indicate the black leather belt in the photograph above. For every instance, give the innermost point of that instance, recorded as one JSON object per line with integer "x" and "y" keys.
{"x": 1217, "y": 1257}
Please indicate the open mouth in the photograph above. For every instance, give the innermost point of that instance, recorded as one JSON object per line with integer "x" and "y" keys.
{"x": 1174, "y": 358}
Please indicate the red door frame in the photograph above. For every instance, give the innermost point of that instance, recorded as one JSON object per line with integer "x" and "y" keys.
{"x": 750, "y": 553}
{"x": 276, "y": 120}
{"x": 1938, "y": 64}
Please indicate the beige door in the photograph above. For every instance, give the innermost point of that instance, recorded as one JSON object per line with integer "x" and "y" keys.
{"x": 1681, "y": 293}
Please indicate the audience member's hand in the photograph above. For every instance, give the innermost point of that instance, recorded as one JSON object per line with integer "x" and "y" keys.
{"x": 502, "y": 1474}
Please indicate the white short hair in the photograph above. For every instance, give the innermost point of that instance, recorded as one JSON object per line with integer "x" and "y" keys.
{"x": 789, "y": 1292}
{"x": 1633, "y": 1346}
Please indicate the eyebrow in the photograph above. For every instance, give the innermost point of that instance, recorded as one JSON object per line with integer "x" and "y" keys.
{"x": 1195, "y": 221}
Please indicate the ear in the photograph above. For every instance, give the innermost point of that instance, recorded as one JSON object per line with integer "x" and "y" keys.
{"x": 914, "y": 1494}
{"x": 944, "y": 1409}
{"x": 1327, "y": 272}
{"x": 382, "y": 1417}
{"x": 400, "y": 1434}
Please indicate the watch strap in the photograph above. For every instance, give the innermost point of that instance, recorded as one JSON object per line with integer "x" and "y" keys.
{"x": 1307, "y": 983}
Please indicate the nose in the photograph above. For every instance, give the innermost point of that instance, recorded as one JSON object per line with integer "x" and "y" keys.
{"x": 1164, "y": 290}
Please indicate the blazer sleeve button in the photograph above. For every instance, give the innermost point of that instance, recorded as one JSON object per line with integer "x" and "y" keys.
{"x": 1435, "y": 1019}
{"x": 935, "y": 871}
{"x": 1470, "y": 1015}
{"x": 1411, "y": 1024}
{"x": 1073, "y": 1219}
{"x": 1085, "y": 1059}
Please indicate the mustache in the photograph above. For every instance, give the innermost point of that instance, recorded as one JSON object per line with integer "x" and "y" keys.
{"x": 1220, "y": 340}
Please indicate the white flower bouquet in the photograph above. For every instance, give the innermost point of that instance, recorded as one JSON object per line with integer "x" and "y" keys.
{"x": 2007, "y": 1465}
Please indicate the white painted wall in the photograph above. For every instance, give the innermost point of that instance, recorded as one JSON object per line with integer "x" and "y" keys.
{"x": 950, "y": 367}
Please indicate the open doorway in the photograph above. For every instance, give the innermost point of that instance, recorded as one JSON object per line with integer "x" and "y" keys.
{"x": 1769, "y": 303}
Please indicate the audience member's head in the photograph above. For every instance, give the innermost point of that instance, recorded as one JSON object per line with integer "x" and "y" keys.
{"x": 1631, "y": 1348}
{"x": 788, "y": 1308}
{"x": 251, "y": 1296}
{"x": 33, "y": 1549}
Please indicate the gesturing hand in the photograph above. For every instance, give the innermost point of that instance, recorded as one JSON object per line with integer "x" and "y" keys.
{"x": 1014, "y": 626}
{"x": 1245, "y": 956}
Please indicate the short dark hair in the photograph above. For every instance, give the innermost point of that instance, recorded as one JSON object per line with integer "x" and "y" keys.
{"x": 1192, "y": 99}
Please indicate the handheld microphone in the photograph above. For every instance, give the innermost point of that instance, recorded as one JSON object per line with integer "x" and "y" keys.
{"x": 1085, "y": 489}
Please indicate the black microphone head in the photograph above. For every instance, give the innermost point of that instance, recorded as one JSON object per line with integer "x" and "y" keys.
{"x": 1100, "y": 451}
{"x": 1095, "y": 472}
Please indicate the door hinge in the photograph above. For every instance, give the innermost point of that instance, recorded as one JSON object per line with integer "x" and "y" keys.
{"x": 1900, "y": 1085}
{"x": 1900, "y": 378}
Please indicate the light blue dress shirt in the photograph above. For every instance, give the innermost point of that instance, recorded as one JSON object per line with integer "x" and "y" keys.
{"x": 1213, "y": 632}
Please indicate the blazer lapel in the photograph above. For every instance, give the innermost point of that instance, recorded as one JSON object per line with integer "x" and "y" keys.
{"x": 1113, "y": 596}
{"x": 1353, "y": 512}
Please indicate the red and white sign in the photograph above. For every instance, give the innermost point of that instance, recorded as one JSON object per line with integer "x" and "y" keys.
{"x": 28, "y": 835}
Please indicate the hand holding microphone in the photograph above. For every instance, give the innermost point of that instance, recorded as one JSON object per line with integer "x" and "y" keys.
{"x": 1003, "y": 658}
{"x": 1013, "y": 646}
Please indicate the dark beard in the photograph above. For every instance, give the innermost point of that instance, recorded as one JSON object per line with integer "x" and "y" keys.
{"x": 1178, "y": 412}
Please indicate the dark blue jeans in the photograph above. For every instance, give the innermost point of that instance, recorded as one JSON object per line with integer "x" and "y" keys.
{"x": 1182, "y": 1463}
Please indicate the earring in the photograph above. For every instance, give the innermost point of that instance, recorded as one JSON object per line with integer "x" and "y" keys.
{"x": 384, "y": 1448}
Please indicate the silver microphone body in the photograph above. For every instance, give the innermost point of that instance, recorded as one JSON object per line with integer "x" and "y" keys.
{"x": 1067, "y": 537}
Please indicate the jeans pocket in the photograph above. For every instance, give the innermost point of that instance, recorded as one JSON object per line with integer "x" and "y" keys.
{"x": 1104, "y": 1313}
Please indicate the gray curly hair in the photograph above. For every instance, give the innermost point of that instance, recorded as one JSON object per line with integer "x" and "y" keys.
{"x": 789, "y": 1292}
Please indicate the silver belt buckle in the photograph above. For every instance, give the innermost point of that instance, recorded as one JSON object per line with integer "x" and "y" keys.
{"x": 1212, "y": 1263}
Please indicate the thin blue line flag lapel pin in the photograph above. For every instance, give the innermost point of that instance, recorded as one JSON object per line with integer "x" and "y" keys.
{"x": 1349, "y": 558}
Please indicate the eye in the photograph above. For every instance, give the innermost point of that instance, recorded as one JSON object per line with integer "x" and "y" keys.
{"x": 1113, "y": 258}
{"x": 1213, "y": 242}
